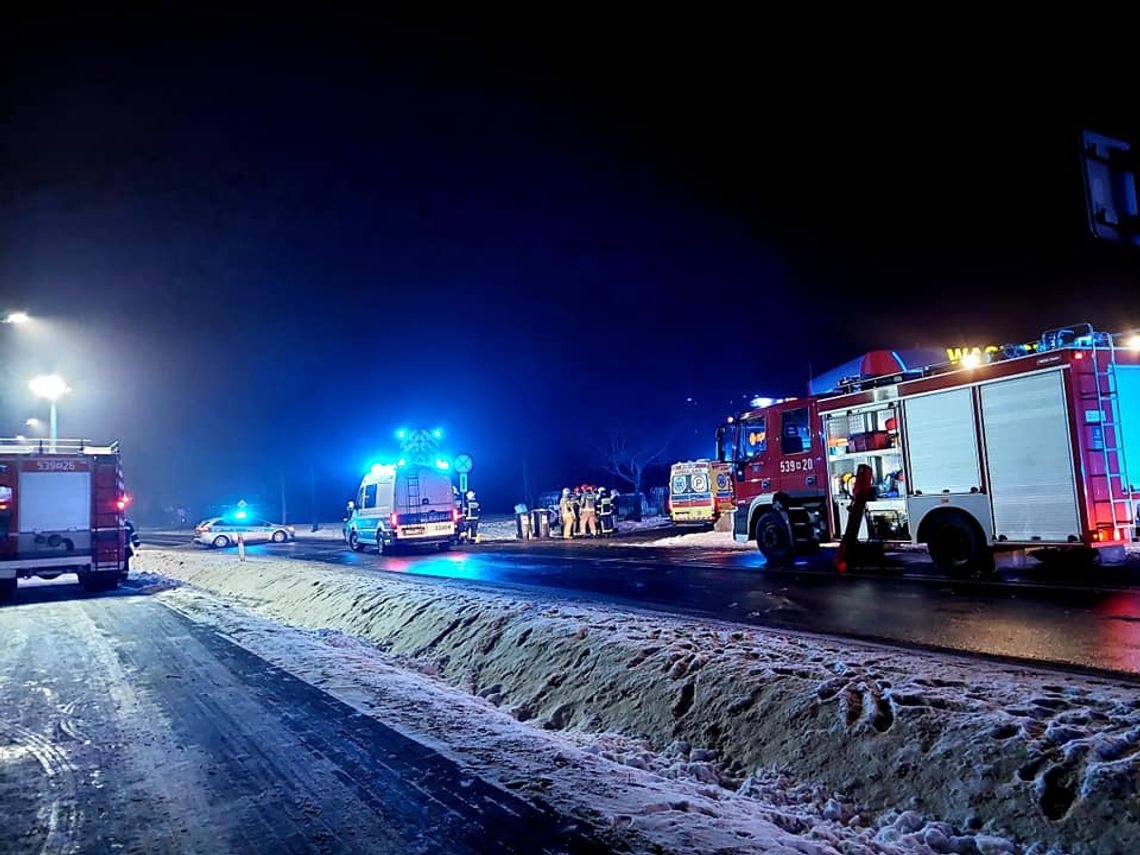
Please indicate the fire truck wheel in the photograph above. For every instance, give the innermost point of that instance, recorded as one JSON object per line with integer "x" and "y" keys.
{"x": 280, "y": 536}
{"x": 221, "y": 542}
{"x": 956, "y": 545}
{"x": 354, "y": 542}
{"x": 7, "y": 588}
{"x": 773, "y": 538}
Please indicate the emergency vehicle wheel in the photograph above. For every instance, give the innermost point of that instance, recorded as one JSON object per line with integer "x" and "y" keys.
{"x": 445, "y": 546}
{"x": 279, "y": 536}
{"x": 354, "y": 542}
{"x": 221, "y": 542}
{"x": 773, "y": 538}
{"x": 955, "y": 545}
{"x": 7, "y": 588}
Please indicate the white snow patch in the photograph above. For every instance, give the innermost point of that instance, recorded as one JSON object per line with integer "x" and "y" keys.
{"x": 696, "y": 540}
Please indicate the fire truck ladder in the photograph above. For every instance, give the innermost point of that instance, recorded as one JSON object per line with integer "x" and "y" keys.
{"x": 1118, "y": 485}
{"x": 107, "y": 534}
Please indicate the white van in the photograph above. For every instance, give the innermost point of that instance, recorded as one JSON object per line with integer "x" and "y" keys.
{"x": 403, "y": 505}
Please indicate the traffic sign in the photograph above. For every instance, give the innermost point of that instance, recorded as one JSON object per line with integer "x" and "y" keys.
{"x": 464, "y": 463}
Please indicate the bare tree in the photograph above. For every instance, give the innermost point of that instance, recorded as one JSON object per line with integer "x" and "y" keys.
{"x": 627, "y": 458}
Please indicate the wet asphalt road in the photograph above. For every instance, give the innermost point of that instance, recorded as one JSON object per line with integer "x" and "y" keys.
{"x": 125, "y": 727}
{"x": 1026, "y": 615}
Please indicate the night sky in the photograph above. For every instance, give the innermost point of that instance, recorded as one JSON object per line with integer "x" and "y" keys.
{"x": 260, "y": 246}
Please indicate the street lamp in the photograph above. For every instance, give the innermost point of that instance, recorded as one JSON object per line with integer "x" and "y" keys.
{"x": 17, "y": 318}
{"x": 52, "y": 387}
{"x": 33, "y": 423}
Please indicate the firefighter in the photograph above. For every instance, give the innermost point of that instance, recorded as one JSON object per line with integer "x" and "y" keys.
{"x": 588, "y": 525}
{"x": 471, "y": 517}
{"x": 566, "y": 511}
{"x": 605, "y": 513}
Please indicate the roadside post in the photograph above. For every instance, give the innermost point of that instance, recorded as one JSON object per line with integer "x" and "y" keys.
{"x": 241, "y": 546}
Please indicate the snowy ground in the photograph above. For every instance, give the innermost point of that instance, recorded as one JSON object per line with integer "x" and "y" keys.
{"x": 697, "y": 540}
{"x": 693, "y": 736}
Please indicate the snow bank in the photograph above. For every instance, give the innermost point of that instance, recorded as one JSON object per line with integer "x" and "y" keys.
{"x": 638, "y": 800}
{"x": 977, "y": 745}
{"x": 697, "y": 540}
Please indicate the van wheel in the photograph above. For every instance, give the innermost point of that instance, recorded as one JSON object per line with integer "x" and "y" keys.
{"x": 354, "y": 542}
{"x": 773, "y": 538}
{"x": 956, "y": 546}
{"x": 221, "y": 542}
{"x": 7, "y": 588}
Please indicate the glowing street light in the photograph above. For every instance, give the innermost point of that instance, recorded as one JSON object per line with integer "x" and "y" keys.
{"x": 17, "y": 318}
{"x": 52, "y": 387}
{"x": 33, "y": 423}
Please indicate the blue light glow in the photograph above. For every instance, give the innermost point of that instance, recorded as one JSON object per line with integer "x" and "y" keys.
{"x": 437, "y": 433}
{"x": 442, "y": 464}
{"x": 401, "y": 434}
{"x": 240, "y": 515}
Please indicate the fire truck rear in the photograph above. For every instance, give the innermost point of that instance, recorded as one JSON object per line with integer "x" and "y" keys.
{"x": 62, "y": 511}
{"x": 1028, "y": 449}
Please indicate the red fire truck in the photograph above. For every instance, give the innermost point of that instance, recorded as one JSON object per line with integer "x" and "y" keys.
{"x": 62, "y": 511}
{"x": 1022, "y": 448}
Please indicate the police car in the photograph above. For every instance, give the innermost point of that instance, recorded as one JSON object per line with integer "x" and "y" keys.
{"x": 220, "y": 532}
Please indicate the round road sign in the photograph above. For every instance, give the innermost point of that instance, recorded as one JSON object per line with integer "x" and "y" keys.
{"x": 464, "y": 463}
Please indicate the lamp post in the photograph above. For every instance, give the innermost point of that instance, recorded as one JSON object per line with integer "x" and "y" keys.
{"x": 52, "y": 387}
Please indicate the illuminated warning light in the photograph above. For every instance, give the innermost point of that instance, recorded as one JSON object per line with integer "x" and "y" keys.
{"x": 442, "y": 464}
{"x": 121, "y": 504}
{"x": 437, "y": 433}
{"x": 394, "y": 519}
{"x": 1079, "y": 355}
{"x": 971, "y": 360}
{"x": 1134, "y": 342}
{"x": 241, "y": 515}
{"x": 401, "y": 434}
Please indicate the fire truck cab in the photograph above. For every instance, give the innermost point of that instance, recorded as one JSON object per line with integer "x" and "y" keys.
{"x": 778, "y": 468}
{"x": 1025, "y": 449}
{"x": 62, "y": 511}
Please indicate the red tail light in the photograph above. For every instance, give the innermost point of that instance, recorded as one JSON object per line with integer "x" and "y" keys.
{"x": 455, "y": 515}
{"x": 394, "y": 519}
{"x": 121, "y": 504}
{"x": 204, "y": 529}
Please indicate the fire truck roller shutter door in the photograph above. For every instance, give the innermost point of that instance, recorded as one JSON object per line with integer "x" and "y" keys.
{"x": 1030, "y": 459}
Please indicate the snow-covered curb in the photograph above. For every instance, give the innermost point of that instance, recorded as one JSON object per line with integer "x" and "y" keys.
{"x": 983, "y": 746}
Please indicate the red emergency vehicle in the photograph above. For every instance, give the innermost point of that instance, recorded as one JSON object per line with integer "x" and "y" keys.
{"x": 62, "y": 511}
{"x": 1025, "y": 447}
